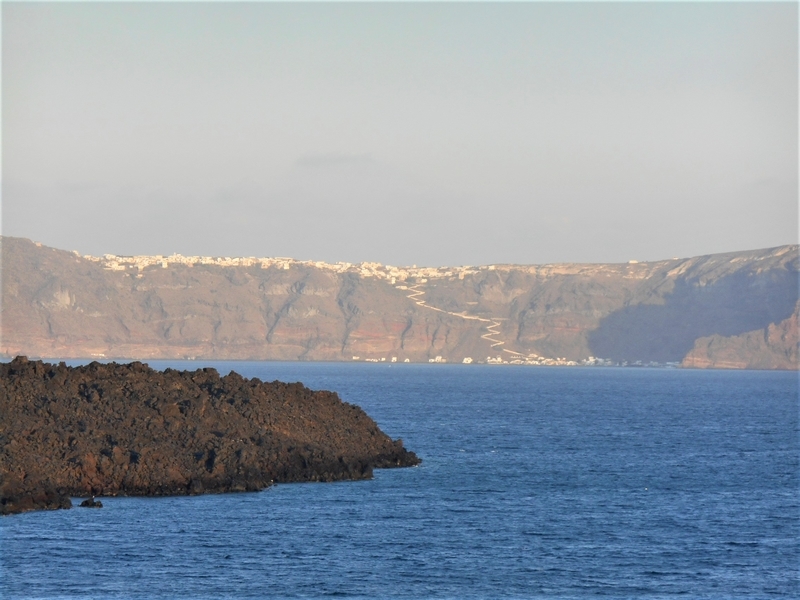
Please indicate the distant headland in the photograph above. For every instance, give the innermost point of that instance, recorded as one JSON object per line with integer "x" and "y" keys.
{"x": 733, "y": 310}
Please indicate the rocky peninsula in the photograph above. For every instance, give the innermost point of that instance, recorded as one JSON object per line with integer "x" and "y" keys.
{"x": 126, "y": 429}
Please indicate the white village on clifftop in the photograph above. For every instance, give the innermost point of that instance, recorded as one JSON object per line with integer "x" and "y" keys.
{"x": 365, "y": 269}
{"x": 395, "y": 276}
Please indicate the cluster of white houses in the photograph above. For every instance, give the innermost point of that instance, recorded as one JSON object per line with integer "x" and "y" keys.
{"x": 533, "y": 360}
{"x": 365, "y": 269}
{"x": 389, "y": 273}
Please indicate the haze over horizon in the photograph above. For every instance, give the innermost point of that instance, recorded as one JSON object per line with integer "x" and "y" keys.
{"x": 429, "y": 134}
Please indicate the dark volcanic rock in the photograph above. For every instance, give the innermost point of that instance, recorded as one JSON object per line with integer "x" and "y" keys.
{"x": 91, "y": 503}
{"x": 125, "y": 429}
{"x": 17, "y": 496}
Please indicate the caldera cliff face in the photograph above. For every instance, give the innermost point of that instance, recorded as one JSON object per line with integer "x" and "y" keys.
{"x": 61, "y": 304}
{"x": 126, "y": 429}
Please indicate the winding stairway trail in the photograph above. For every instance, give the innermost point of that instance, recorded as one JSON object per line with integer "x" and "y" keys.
{"x": 491, "y": 329}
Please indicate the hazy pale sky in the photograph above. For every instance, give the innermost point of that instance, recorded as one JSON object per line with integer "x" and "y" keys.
{"x": 408, "y": 133}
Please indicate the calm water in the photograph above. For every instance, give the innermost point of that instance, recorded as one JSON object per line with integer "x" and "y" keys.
{"x": 536, "y": 483}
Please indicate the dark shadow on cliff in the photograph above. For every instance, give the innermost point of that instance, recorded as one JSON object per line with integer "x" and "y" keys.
{"x": 665, "y": 333}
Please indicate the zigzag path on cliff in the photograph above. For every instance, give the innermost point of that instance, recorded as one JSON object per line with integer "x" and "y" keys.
{"x": 734, "y": 310}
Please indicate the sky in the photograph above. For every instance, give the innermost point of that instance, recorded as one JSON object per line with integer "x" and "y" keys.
{"x": 410, "y": 133}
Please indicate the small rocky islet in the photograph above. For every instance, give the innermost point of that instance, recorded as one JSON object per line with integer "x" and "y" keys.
{"x": 126, "y": 429}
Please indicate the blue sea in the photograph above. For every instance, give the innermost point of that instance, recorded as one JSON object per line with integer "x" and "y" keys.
{"x": 535, "y": 483}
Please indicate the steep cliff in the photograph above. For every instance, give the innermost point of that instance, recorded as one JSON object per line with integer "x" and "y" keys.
{"x": 773, "y": 347}
{"x": 60, "y": 304}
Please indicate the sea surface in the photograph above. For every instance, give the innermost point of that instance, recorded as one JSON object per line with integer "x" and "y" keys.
{"x": 535, "y": 483}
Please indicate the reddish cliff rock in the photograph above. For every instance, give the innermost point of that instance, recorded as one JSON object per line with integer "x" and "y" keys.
{"x": 62, "y": 305}
{"x": 112, "y": 429}
{"x": 774, "y": 347}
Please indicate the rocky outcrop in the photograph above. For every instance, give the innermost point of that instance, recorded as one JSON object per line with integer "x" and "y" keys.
{"x": 774, "y": 347}
{"x": 126, "y": 429}
{"x": 18, "y": 495}
{"x": 61, "y": 305}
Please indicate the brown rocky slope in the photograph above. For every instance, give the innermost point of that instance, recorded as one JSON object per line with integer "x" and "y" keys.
{"x": 125, "y": 429}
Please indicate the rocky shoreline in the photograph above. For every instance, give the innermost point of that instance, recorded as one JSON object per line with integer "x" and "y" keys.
{"x": 126, "y": 429}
